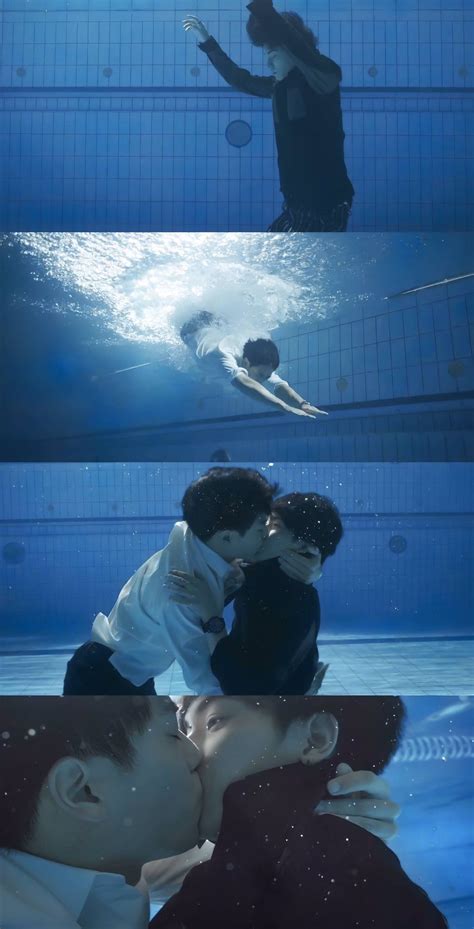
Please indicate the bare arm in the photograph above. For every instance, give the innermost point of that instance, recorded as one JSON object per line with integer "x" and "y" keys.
{"x": 291, "y": 397}
{"x": 247, "y": 385}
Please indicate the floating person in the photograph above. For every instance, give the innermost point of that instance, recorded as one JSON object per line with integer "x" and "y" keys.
{"x": 307, "y": 115}
{"x": 272, "y": 645}
{"x": 226, "y": 513}
{"x": 250, "y": 364}
{"x": 93, "y": 789}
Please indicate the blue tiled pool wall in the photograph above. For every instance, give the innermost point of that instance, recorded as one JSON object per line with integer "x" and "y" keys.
{"x": 397, "y": 380}
{"x": 113, "y": 119}
{"x": 71, "y": 535}
{"x": 432, "y": 788}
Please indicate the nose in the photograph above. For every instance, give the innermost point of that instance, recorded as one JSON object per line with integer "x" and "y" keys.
{"x": 193, "y": 753}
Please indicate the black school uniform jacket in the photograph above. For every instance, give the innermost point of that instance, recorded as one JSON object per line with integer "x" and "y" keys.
{"x": 306, "y": 112}
{"x": 278, "y": 865}
{"x": 271, "y": 648}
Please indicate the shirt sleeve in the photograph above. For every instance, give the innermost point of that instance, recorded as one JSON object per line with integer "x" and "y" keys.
{"x": 191, "y": 648}
{"x": 237, "y": 77}
{"x": 275, "y": 379}
{"x": 322, "y": 74}
{"x": 230, "y": 365}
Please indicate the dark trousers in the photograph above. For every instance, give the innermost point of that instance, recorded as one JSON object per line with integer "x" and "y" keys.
{"x": 89, "y": 672}
{"x": 198, "y": 321}
{"x": 296, "y": 219}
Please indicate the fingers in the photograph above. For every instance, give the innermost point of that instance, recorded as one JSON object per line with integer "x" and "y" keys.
{"x": 180, "y": 575}
{"x": 383, "y": 810}
{"x": 384, "y": 830}
{"x": 354, "y": 781}
{"x": 182, "y": 598}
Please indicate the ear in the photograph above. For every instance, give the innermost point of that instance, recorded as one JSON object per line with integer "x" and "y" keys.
{"x": 69, "y": 787}
{"x": 226, "y": 536}
{"x": 245, "y": 362}
{"x": 322, "y": 732}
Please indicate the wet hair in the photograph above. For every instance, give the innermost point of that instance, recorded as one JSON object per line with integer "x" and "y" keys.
{"x": 313, "y": 519}
{"x": 370, "y": 728}
{"x": 227, "y": 498}
{"x": 260, "y": 34}
{"x": 38, "y": 731}
{"x": 261, "y": 352}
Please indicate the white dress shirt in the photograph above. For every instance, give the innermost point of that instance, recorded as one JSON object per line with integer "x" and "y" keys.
{"x": 223, "y": 356}
{"x": 147, "y": 630}
{"x": 39, "y": 894}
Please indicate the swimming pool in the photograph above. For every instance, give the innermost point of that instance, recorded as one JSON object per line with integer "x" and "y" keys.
{"x": 113, "y": 119}
{"x": 376, "y": 330}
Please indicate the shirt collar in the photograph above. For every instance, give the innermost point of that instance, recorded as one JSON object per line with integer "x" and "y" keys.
{"x": 71, "y": 886}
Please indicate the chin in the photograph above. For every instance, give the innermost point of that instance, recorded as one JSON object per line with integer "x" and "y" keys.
{"x": 209, "y": 826}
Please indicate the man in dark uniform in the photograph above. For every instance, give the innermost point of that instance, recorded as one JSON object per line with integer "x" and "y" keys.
{"x": 272, "y": 645}
{"x": 307, "y": 115}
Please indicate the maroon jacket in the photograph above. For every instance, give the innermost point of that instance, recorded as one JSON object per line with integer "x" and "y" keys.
{"x": 278, "y": 865}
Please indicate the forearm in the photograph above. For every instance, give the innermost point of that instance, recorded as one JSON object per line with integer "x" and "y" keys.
{"x": 192, "y": 648}
{"x": 289, "y": 395}
{"x": 236, "y": 77}
{"x": 257, "y": 391}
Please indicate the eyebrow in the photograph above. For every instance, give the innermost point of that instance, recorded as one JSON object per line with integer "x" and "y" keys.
{"x": 202, "y": 704}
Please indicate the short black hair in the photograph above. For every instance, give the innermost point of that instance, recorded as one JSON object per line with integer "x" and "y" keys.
{"x": 260, "y": 34}
{"x": 36, "y": 732}
{"x": 370, "y": 728}
{"x": 312, "y": 518}
{"x": 226, "y": 498}
{"x": 261, "y": 352}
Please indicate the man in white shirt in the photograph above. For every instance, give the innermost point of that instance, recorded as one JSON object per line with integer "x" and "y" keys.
{"x": 249, "y": 364}
{"x": 92, "y": 789}
{"x": 226, "y": 515}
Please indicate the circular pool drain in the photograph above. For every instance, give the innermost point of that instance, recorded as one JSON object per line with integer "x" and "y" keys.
{"x": 398, "y": 544}
{"x": 238, "y": 133}
{"x": 456, "y": 368}
{"x": 14, "y": 552}
{"x": 342, "y": 384}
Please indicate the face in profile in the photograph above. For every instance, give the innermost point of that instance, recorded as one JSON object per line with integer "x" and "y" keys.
{"x": 236, "y": 740}
{"x": 280, "y": 540}
{"x": 155, "y": 805}
{"x": 279, "y": 62}
{"x": 248, "y": 544}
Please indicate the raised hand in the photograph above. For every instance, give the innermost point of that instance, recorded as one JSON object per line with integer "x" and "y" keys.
{"x": 363, "y": 798}
{"x": 196, "y": 27}
{"x": 300, "y": 567}
{"x": 192, "y": 590}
